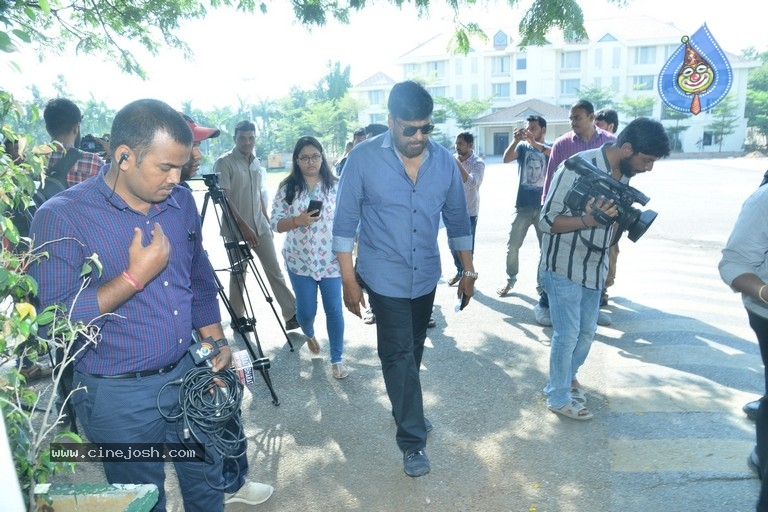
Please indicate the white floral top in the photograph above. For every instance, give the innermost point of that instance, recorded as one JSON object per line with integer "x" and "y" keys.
{"x": 308, "y": 250}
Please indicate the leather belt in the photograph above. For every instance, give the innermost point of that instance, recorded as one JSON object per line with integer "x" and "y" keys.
{"x": 136, "y": 375}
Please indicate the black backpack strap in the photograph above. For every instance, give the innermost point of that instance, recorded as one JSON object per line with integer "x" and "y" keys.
{"x": 61, "y": 168}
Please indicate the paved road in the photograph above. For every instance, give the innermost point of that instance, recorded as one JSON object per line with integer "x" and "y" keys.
{"x": 666, "y": 382}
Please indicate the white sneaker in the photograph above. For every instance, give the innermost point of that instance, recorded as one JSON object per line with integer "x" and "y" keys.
{"x": 603, "y": 318}
{"x": 542, "y": 315}
{"x": 251, "y": 493}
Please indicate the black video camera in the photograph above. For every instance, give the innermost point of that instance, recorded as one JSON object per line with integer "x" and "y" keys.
{"x": 90, "y": 144}
{"x": 594, "y": 183}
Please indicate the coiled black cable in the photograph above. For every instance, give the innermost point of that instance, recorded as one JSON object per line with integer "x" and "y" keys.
{"x": 209, "y": 409}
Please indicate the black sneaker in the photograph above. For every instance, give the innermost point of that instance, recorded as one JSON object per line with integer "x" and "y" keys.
{"x": 416, "y": 463}
{"x": 292, "y": 324}
{"x": 428, "y": 425}
{"x": 751, "y": 408}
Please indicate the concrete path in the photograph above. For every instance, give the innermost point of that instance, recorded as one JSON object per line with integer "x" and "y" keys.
{"x": 666, "y": 381}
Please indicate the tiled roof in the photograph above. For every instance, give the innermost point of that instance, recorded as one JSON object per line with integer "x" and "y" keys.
{"x": 522, "y": 110}
{"x": 377, "y": 79}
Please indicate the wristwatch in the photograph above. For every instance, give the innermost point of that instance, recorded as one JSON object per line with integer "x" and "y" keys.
{"x": 467, "y": 273}
{"x": 221, "y": 342}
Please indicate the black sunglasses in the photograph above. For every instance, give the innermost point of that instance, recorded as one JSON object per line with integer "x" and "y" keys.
{"x": 410, "y": 131}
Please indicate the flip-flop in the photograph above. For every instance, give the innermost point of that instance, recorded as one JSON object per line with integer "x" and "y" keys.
{"x": 504, "y": 291}
{"x": 579, "y": 395}
{"x": 572, "y": 410}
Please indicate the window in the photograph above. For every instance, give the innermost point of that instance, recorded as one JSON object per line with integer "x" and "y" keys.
{"x": 500, "y": 90}
{"x": 599, "y": 58}
{"x": 707, "y": 139}
{"x": 459, "y": 94}
{"x": 521, "y": 62}
{"x": 598, "y": 82}
{"x": 377, "y": 118}
{"x": 615, "y": 83}
{"x": 437, "y": 92}
{"x": 500, "y": 39}
{"x": 642, "y": 83}
{"x": 376, "y": 97}
{"x": 457, "y": 67}
{"x": 616, "y": 58}
{"x": 521, "y": 87}
{"x": 473, "y": 65}
{"x": 412, "y": 70}
{"x": 669, "y": 49}
{"x": 475, "y": 91}
{"x": 436, "y": 69}
{"x": 500, "y": 65}
{"x": 645, "y": 55}
{"x": 570, "y": 60}
{"x": 570, "y": 86}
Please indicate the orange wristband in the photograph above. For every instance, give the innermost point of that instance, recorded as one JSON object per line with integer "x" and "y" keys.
{"x": 136, "y": 285}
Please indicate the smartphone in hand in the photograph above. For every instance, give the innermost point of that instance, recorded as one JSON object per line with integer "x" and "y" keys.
{"x": 461, "y": 303}
{"x": 315, "y": 206}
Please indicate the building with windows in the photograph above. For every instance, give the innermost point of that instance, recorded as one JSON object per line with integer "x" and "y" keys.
{"x": 622, "y": 55}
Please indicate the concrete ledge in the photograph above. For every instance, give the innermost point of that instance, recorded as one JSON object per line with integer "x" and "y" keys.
{"x": 98, "y": 497}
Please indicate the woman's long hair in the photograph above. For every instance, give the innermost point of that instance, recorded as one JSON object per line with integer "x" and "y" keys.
{"x": 294, "y": 183}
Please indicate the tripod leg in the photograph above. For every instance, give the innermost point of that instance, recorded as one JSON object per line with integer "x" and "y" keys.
{"x": 270, "y": 300}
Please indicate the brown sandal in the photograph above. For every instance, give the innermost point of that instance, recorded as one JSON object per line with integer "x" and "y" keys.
{"x": 503, "y": 291}
{"x": 313, "y": 345}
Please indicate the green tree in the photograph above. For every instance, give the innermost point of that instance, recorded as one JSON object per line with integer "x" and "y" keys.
{"x": 112, "y": 28}
{"x": 638, "y": 106}
{"x": 726, "y": 118}
{"x": 464, "y": 112}
{"x": 673, "y": 132}
{"x": 756, "y": 110}
{"x": 600, "y": 97}
{"x": 335, "y": 84}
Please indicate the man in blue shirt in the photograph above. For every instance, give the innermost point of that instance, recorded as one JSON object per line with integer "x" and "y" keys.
{"x": 145, "y": 302}
{"x": 395, "y": 187}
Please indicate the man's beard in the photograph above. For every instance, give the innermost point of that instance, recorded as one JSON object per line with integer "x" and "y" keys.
{"x": 411, "y": 150}
{"x": 626, "y": 168}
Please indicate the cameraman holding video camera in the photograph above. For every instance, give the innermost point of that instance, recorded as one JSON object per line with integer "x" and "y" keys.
{"x": 574, "y": 255}
{"x": 62, "y": 122}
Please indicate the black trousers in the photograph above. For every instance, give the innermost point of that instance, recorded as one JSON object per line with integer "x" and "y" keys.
{"x": 760, "y": 326}
{"x": 401, "y": 328}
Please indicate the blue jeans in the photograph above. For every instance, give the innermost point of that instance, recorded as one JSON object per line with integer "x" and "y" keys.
{"x": 524, "y": 218}
{"x": 574, "y": 310}
{"x": 456, "y": 260}
{"x": 401, "y": 328}
{"x": 305, "y": 288}
{"x": 125, "y": 411}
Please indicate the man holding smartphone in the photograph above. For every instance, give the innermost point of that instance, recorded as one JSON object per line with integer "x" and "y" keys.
{"x": 402, "y": 179}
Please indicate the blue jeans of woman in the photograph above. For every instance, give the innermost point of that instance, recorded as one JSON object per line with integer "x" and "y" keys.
{"x": 574, "y": 311}
{"x": 305, "y": 289}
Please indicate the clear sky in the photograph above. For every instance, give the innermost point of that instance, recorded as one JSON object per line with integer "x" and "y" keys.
{"x": 245, "y": 57}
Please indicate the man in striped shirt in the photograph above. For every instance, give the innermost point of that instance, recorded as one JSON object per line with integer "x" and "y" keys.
{"x": 574, "y": 257}
{"x": 584, "y": 135}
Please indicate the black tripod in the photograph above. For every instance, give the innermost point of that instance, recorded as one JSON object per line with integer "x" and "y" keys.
{"x": 240, "y": 260}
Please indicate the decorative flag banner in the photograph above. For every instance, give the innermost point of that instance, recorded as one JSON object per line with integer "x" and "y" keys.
{"x": 697, "y": 75}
